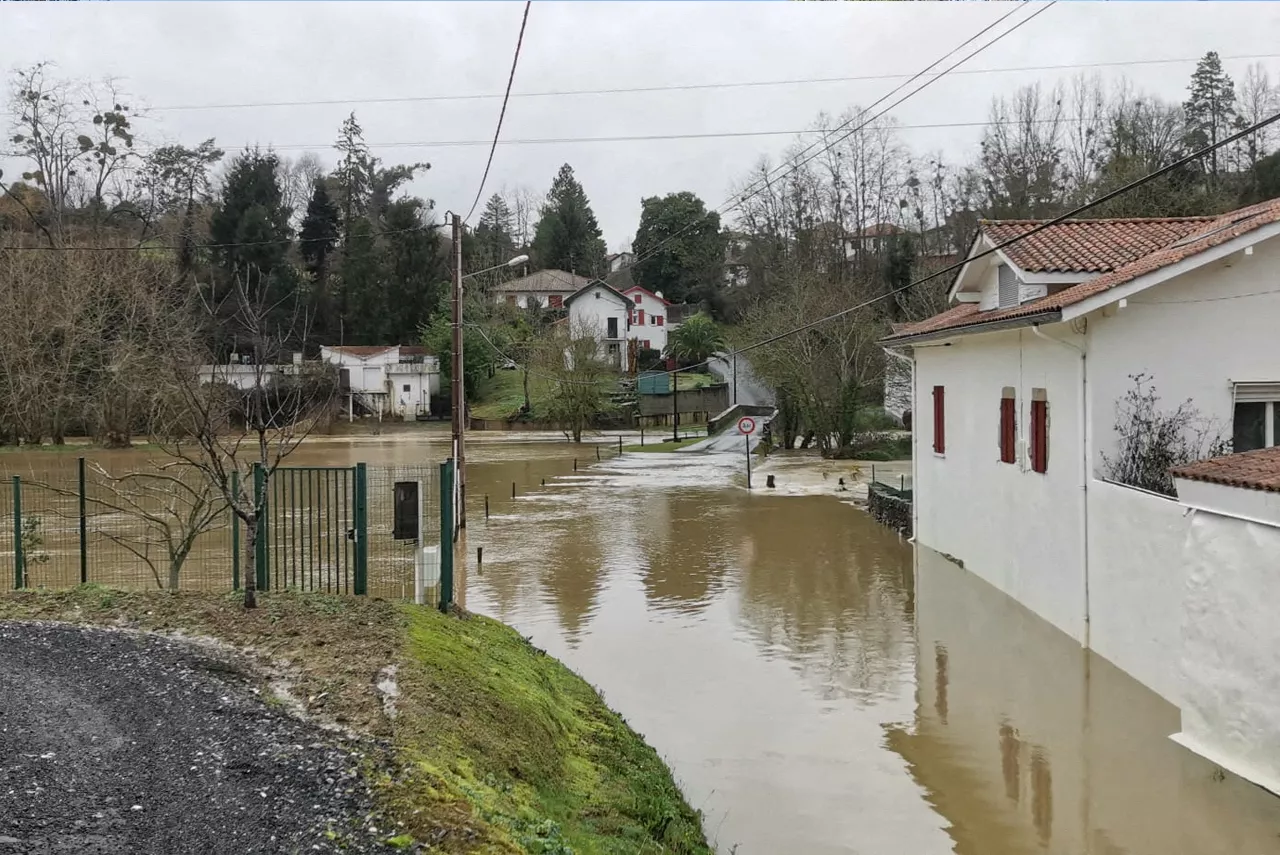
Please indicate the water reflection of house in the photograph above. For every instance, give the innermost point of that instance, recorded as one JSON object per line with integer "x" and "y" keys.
{"x": 1026, "y": 743}
{"x": 386, "y": 380}
{"x": 1018, "y": 391}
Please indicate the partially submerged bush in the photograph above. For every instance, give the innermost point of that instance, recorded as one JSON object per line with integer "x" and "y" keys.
{"x": 1153, "y": 441}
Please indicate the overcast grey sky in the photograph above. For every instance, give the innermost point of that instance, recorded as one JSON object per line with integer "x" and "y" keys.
{"x": 172, "y": 54}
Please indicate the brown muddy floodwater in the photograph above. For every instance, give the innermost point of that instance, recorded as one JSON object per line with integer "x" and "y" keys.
{"x": 817, "y": 684}
{"x": 820, "y": 686}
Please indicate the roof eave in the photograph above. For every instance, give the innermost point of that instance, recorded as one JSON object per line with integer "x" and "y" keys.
{"x": 1047, "y": 316}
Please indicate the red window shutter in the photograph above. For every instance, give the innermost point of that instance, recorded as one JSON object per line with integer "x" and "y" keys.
{"x": 1008, "y": 430}
{"x": 640, "y": 317}
{"x": 1040, "y": 436}
{"x": 939, "y": 420}
{"x": 556, "y": 301}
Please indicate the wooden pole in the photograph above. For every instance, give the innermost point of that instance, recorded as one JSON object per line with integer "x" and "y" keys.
{"x": 459, "y": 392}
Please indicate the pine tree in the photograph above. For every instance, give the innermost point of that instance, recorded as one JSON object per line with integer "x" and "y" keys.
{"x": 354, "y": 175}
{"x": 415, "y": 271}
{"x": 318, "y": 239}
{"x": 1210, "y": 108}
{"x": 567, "y": 236}
{"x": 250, "y": 235}
{"x": 362, "y": 301}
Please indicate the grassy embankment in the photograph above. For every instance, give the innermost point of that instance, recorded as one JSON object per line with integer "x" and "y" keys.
{"x": 502, "y": 395}
{"x": 496, "y": 747}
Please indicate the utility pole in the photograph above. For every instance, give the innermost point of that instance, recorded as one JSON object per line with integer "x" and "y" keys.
{"x": 675, "y": 406}
{"x": 459, "y": 404}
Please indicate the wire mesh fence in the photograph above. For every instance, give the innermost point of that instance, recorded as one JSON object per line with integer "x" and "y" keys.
{"x": 322, "y": 528}
{"x": 893, "y": 478}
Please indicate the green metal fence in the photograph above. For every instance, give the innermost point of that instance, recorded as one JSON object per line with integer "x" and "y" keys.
{"x": 330, "y": 529}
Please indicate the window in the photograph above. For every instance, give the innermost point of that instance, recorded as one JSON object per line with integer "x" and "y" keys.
{"x": 1039, "y": 431}
{"x": 638, "y": 296}
{"x": 511, "y": 299}
{"x": 657, "y": 320}
{"x": 640, "y": 317}
{"x": 645, "y": 345}
{"x": 1008, "y": 425}
{"x": 1009, "y": 287}
{"x": 939, "y": 421}
{"x": 556, "y": 301}
{"x": 406, "y": 387}
{"x": 1256, "y": 420}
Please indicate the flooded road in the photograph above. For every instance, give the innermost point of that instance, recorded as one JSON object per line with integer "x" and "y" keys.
{"x": 817, "y": 684}
{"x": 820, "y": 686}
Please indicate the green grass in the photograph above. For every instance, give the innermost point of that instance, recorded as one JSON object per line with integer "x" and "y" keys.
{"x": 502, "y": 395}
{"x": 75, "y": 446}
{"x": 521, "y": 753}
{"x": 687, "y": 381}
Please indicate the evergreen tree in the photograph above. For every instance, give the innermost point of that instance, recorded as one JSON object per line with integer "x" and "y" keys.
{"x": 250, "y": 235}
{"x": 354, "y": 175}
{"x": 682, "y": 248}
{"x": 416, "y": 271}
{"x": 898, "y": 264}
{"x": 1210, "y": 108}
{"x": 362, "y": 299}
{"x": 567, "y": 236}
{"x": 318, "y": 239}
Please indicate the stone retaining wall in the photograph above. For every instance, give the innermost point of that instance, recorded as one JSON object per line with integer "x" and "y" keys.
{"x": 889, "y": 507}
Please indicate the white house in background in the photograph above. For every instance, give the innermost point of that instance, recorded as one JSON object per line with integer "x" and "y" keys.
{"x": 1015, "y": 409}
{"x": 649, "y": 316}
{"x": 550, "y": 288}
{"x": 604, "y": 313}
{"x": 391, "y": 380}
{"x": 619, "y": 260}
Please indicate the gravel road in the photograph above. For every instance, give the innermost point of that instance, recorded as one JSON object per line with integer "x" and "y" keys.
{"x": 114, "y": 742}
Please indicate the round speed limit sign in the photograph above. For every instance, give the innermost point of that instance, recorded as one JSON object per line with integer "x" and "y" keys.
{"x": 746, "y": 425}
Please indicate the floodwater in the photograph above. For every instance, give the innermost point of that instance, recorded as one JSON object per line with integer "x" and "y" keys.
{"x": 820, "y": 686}
{"x": 816, "y": 683}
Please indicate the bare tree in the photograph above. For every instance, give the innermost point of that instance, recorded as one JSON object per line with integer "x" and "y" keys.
{"x": 829, "y": 372}
{"x": 237, "y": 426}
{"x": 577, "y": 372}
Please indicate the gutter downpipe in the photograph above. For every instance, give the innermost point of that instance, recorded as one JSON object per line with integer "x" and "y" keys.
{"x": 1084, "y": 469}
{"x": 915, "y": 451}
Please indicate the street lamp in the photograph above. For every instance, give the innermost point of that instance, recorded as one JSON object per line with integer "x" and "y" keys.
{"x": 515, "y": 262}
{"x": 458, "y": 405}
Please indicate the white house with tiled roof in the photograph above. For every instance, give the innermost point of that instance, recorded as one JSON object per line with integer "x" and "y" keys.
{"x": 548, "y": 288}
{"x": 392, "y": 380}
{"x": 1016, "y": 391}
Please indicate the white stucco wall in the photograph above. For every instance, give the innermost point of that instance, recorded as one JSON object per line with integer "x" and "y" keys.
{"x": 522, "y": 297}
{"x": 1136, "y": 577}
{"x": 592, "y": 311}
{"x": 1017, "y": 529}
{"x": 1230, "y": 639}
{"x": 656, "y": 335}
{"x": 1193, "y": 335}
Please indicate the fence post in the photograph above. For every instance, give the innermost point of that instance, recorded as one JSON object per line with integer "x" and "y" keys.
{"x": 261, "y": 572}
{"x": 362, "y": 530}
{"x": 446, "y": 535}
{"x": 619, "y": 445}
{"x": 235, "y": 534}
{"x": 19, "y": 561}
{"x": 84, "y": 529}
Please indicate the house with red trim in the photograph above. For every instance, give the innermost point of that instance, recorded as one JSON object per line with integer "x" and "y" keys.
{"x": 1022, "y": 403}
{"x": 650, "y": 313}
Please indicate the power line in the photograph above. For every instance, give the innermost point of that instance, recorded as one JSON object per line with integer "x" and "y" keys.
{"x": 679, "y": 136}
{"x": 1074, "y": 212}
{"x": 503, "y": 112}
{"x": 797, "y": 162}
{"x": 682, "y": 87}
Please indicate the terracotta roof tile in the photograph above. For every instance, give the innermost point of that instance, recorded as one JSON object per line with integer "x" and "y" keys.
{"x": 1251, "y": 470}
{"x": 1211, "y": 232}
{"x": 1087, "y": 246}
{"x": 543, "y": 281}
